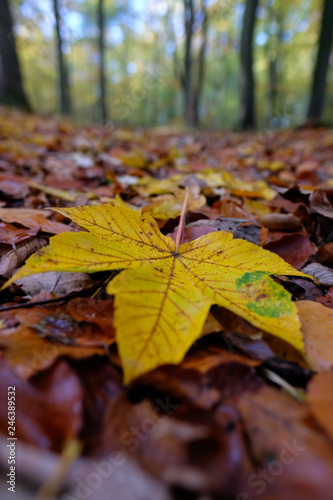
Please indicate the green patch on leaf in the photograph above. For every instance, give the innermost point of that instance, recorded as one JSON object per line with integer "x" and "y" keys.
{"x": 249, "y": 278}
{"x": 271, "y": 300}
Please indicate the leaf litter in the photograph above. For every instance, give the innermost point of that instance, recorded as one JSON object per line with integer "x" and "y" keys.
{"x": 197, "y": 406}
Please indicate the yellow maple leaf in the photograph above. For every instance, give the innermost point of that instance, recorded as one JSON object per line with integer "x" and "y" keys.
{"x": 167, "y": 206}
{"x": 256, "y": 189}
{"x": 163, "y": 296}
{"x": 211, "y": 178}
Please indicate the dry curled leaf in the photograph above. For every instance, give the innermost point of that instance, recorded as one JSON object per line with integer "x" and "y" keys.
{"x": 15, "y": 258}
{"x": 321, "y": 202}
{"x": 55, "y": 282}
{"x": 320, "y": 273}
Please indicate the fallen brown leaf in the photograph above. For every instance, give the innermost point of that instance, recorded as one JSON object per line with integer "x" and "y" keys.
{"x": 49, "y": 406}
{"x": 321, "y": 400}
{"x": 321, "y": 273}
{"x": 15, "y": 258}
{"x": 294, "y": 248}
{"x": 55, "y": 282}
{"x": 317, "y": 330}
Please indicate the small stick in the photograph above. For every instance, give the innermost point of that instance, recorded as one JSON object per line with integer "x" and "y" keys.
{"x": 53, "y": 484}
{"x": 182, "y": 221}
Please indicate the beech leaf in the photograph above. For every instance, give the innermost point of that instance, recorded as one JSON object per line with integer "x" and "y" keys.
{"x": 164, "y": 294}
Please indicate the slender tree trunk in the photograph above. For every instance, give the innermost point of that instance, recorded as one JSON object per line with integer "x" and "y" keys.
{"x": 201, "y": 64}
{"x": 101, "y": 48}
{"x": 11, "y": 85}
{"x": 172, "y": 91}
{"x": 65, "y": 104}
{"x": 154, "y": 93}
{"x": 274, "y": 63}
{"x": 319, "y": 83}
{"x": 272, "y": 87}
{"x": 188, "y": 63}
{"x": 247, "y": 108}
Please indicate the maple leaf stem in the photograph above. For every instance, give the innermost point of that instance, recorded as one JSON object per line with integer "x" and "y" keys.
{"x": 182, "y": 221}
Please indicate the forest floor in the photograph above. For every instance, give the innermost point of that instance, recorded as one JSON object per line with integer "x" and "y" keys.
{"x": 245, "y": 415}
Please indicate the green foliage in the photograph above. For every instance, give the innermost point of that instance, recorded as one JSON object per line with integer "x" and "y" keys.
{"x": 144, "y": 57}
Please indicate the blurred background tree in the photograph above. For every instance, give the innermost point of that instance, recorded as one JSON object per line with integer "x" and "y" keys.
{"x": 319, "y": 83}
{"x": 247, "y": 109}
{"x": 11, "y": 85}
{"x": 65, "y": 100}
{"x": 207, "y": 63}
{"x": 101, "y": 53}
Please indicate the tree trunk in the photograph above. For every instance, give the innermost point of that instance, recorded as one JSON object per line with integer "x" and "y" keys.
{"x": 101, "y": 49}
{"x": 272, "y": 87}
{"x": 201, "y": 64}
{"x": 65, "y": 105}
{"x": 188, "y": 63}
{"x": 11, "y": 86}
{"x": 247, "y": 109}
{"x": 317, "y": 100}
{"x": 172, "y": 91}
{"x": 275, "y": 43}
